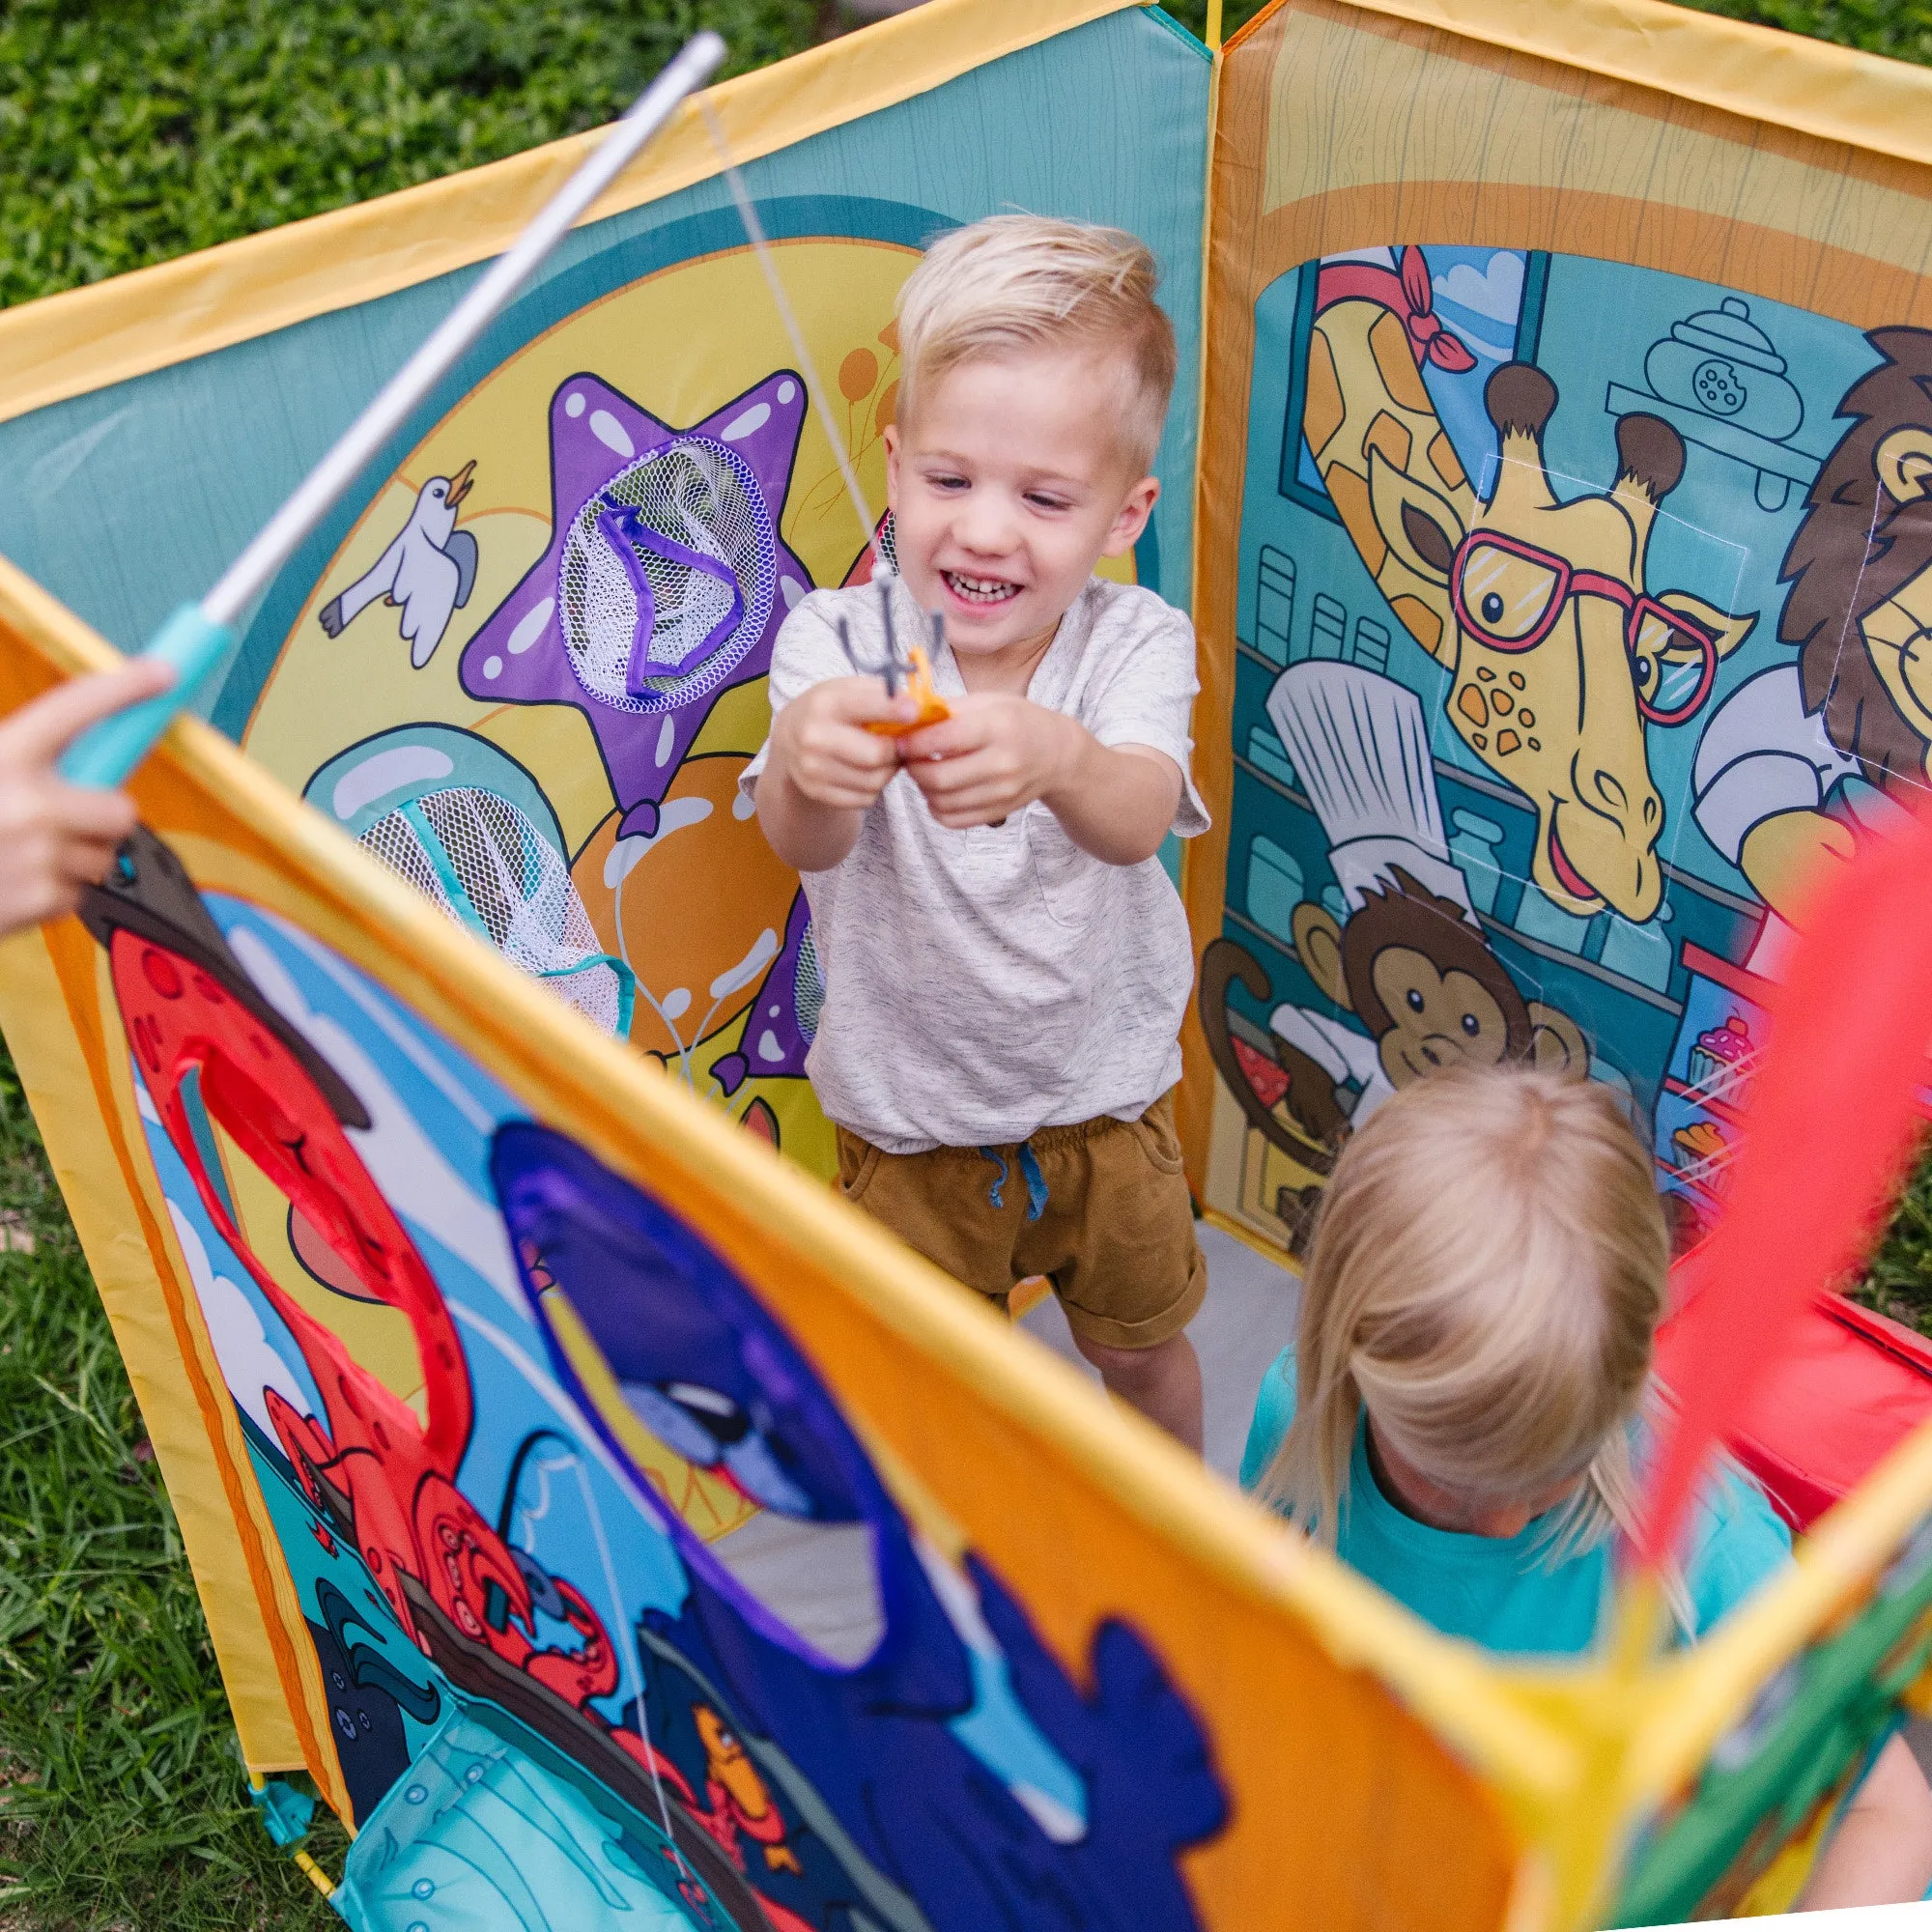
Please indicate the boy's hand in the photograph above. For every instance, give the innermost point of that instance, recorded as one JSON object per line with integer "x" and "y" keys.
{"x": 994, "y": 756}
{"x": 826, "y": 769}
{"x": 997, "y": 753}
{"x": 56, "y": 837}
{"x": 822, "y": 749}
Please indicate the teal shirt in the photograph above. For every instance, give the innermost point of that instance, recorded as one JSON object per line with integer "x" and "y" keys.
{"x": 1498, "y": 1592}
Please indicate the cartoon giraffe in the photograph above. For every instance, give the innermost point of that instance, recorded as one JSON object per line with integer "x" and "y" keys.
{"x": 1538, "y": 607}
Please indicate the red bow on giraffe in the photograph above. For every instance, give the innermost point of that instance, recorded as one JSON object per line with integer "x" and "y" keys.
{"x": 1405, "y": 291}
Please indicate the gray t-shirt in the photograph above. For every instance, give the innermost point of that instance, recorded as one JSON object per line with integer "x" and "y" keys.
{"x": 985, "y": 983}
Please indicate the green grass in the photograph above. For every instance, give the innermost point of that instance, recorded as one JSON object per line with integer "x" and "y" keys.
{"x": 1898, "y": 1279}
{"x": 131, "y": 131}
{"x": 122, "y": 1796}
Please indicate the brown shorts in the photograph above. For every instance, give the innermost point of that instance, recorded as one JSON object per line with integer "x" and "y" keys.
{"x": 1101, "y": 1209}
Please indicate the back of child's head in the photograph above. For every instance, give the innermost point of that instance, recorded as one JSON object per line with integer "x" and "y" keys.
{"x": 1488, "y": 1272}
{"x": 1017, "y": 284}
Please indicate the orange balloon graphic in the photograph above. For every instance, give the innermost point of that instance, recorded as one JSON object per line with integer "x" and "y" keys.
{"x": 890, "y": 335}
{"x": 889, "y": 406}
{"x": 857, "y": 375}
{"x": 704, "y": 905}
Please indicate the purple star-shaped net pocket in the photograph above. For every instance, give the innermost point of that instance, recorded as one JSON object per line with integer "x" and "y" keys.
{"x": 663, "y": 568}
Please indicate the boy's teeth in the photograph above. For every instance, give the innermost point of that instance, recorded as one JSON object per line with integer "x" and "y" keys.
{"x": 981, "y": 589}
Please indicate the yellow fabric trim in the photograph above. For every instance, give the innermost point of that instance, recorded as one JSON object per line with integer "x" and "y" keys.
{"x": 1833, "y": 93}
{"x": 88, "y": 338}
{"x": 1698, "y": 1695}
{"x": 54, "y": 1073}
{"x": 1269, "y": 1251}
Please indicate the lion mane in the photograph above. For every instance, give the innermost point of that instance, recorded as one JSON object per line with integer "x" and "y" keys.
{"x": 1855, "y": 546}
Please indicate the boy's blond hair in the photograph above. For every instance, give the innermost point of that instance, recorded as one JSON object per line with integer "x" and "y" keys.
{"x": 1486, "y": 1277}
{"x": 1019, "y": 282}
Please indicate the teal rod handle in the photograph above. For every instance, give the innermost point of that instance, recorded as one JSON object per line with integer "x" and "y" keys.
{"x": 105, "y": 753}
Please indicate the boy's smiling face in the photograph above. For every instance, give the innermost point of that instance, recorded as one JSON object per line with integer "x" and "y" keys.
{"x": 1008, "y": 484}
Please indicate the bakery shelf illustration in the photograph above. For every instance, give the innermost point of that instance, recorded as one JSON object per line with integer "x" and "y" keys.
{"x": 1718, "y": 379}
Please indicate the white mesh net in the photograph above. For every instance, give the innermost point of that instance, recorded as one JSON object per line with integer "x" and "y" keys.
{"x": 807, "y": 987}
{"x": 516, "y": 886}
{"x": 700, "y": 497}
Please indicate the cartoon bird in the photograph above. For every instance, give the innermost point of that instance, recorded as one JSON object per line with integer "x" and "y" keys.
{"x": 429, "y": 570}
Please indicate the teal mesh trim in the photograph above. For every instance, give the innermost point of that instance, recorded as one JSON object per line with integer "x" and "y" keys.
{"x": 489, "y": 1828}
{"x": 459, "y": 900}
{"x": 627, "y": 984}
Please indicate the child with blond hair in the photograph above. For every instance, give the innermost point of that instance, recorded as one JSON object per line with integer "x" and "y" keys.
{"x": 1005, "y": 961}
{"x": 1459, "y": 1416}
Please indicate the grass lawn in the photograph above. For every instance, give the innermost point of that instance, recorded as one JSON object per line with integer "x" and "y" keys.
{"x": 131, "y": 131}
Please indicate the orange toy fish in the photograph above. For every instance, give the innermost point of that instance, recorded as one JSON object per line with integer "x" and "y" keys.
{"x": 912, "y": 672}
{"x": 918, "y": 686}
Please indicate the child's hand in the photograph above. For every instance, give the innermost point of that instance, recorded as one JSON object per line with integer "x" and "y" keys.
{"x": 826, "y": 769}
{"x": 56, "y": 837}
{"x": 992, "y": 758}
{"x": 822, "y": 749}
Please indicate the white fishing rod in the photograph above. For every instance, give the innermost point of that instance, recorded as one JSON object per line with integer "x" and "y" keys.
{"x": 197, "y": 635}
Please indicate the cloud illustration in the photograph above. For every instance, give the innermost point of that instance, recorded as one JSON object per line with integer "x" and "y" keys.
{"x": 1495, "y": 292}
{"x": 249, "y": 1361}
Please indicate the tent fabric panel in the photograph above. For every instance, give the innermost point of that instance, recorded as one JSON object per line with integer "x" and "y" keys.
{"x": 47, "y": 1056}
{"x": 1578, "y": 163}
{"x": 1836, "y": 93}
{"x": 237, "y": 427}
{"x": 1087, "y": 1515}
{"x": 46, "y": 988}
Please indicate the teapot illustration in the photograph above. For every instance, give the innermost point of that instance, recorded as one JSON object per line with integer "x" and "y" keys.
{"x": 1718, "y": 379}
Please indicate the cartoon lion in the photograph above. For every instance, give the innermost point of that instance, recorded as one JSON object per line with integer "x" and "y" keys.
{"x": 1856, "y": 705}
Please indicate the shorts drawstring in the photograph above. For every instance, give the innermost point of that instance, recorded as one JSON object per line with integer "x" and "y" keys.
{"x": 1036, "y": 1181}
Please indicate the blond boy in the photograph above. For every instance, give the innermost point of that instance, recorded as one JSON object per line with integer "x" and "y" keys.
{"x": 1005, "y": 961}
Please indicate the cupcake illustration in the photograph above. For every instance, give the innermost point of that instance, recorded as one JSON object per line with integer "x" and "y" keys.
{"x": 1720, "y": 1059}
{"x": 1700, "y": 1147}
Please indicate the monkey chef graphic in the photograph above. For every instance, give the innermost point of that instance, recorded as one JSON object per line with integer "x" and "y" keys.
{"x": 1412, "y": 981}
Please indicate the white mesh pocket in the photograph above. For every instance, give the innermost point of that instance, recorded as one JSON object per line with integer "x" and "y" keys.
{"x": 682, "y": 534}
{"x": 479, "y": 859}
{"x": 807, "y": 987}
{"x": 394, "y": 840}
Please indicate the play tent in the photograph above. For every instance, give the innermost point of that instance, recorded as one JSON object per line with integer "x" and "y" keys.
{"x": 617, "y": 1527}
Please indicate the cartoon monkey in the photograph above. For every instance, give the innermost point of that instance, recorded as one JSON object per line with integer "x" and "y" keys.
{"x": 1417, "y": 974}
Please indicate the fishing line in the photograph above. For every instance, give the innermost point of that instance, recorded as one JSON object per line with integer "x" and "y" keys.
{"x": 627, "y": 1636}
{"x": 755, "y": 233}
{"x": 197, "y": 637}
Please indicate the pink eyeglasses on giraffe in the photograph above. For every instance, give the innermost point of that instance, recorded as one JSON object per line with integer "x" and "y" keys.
{"x": 1508, "y": 594}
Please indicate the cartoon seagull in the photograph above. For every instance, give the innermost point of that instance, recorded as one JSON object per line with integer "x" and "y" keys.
{"x": 429, "y": 570}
